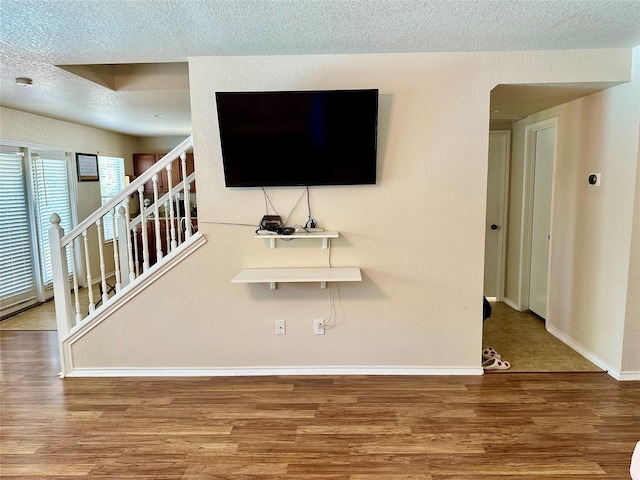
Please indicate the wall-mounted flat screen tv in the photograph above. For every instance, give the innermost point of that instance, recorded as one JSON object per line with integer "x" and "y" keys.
{"x": 291, "y": 138}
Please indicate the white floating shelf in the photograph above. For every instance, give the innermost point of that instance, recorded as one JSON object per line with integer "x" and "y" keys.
{"x": 325, "y": 236}
{"x": 273, "y": 276}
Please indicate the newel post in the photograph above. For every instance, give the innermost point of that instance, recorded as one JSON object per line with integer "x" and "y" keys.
{"x": 61, "y": 289}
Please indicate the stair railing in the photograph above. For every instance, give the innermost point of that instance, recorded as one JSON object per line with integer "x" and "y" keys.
{"x": 127, "y": 246}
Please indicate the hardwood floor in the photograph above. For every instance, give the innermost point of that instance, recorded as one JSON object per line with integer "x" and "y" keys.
{"x": 507, "y": 425}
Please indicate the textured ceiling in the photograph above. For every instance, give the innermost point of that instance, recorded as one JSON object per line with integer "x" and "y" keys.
{"x": 37, "y": 35}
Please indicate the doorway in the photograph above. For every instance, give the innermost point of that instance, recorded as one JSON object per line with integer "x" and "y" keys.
{"x": 520, "y": 335}
{"x": 35, "y": 182}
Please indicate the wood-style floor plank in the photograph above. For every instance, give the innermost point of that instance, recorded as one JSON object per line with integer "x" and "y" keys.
{"x": 511, "y": 426}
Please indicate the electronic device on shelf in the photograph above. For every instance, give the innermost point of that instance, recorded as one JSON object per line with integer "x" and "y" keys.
{"x": 271, "y": 222}
{"x": 291, "y": 138}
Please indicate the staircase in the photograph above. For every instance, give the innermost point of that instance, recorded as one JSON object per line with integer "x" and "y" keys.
{"x": 144, "y": 247}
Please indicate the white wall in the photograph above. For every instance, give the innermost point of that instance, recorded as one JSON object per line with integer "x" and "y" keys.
{"x": 631, "y": 352}
{"x": 157, "y": 144}
{"x": 418, "y": 235}
{"x": 591, "y": 226}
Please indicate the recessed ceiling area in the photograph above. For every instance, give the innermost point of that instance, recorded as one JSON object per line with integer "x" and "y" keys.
{"x": 135, "y": 76}
{"x": 513, "y": 102}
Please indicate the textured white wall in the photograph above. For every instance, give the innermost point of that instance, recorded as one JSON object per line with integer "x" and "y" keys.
{"x": 418, "y": 235}
{"x": 631, "y": 352}
{"x": 157, "y": 144}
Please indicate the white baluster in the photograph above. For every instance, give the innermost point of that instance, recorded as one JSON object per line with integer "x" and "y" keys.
{"x": 132, "y": 272}
{"x": 92, "y": 305}
{"x": 103, "y": 273}
{"x": 116, "y": 252}
{"x": 158, "y": 239}
{"x": 167, "y": 228}
{"x": 135, "y": 250}
{"x": 143, "y": 226}
{"x": 174, "y": 244}
{"x": 187, "y": 198}
{"x": 74, "y": 271}
{"x": 177, "y": 219}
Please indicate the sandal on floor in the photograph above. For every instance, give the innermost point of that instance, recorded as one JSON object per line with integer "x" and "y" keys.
{"x": 496, "y": 364}
{"x": 489, "y": 353}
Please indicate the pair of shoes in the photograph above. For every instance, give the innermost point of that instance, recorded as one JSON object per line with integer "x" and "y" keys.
{"x": 496, "y": 364}
{"x": 489, "y": 353}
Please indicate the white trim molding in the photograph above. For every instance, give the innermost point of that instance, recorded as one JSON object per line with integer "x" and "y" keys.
{"x": 527, "y": 205}
{"x": 513, "y": 304}
{"x": 598, "y": 362}
{"x": 273, "y": 371}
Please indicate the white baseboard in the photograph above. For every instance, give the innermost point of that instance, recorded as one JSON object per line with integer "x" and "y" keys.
{"x": 629, "y": 377}
{"x": 512, "y": 304}
{"x": 270, "y": 371}
{"x": 584, "y": 352}
{"x": 613, "y": 372}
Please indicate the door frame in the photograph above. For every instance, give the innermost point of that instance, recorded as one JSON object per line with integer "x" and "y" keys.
{"x": 26, "y": 149}
{"x": 527, "y": 208}
{"x": 505, "y": 163}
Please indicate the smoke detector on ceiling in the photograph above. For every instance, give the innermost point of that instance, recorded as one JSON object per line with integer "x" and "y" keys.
{"x": 24, "y": 82}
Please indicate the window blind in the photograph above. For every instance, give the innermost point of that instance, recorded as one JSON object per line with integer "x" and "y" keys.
{"x": 17, "y": 282}
{"x": 112, "y": 181}
{"x": 51, "y": 188}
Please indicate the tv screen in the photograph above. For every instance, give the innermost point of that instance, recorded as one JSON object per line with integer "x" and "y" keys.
{"x": 293, "y": 138}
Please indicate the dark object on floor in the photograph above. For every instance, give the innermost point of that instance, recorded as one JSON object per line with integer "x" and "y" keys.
{"x": 486, "y": 309}
{"x": 110, "y": 289}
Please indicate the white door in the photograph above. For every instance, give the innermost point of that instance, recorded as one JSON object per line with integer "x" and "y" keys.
{"x": 544, "y": 142}
{"x": 499, "y": 146}
{"x": 33, "y": 185}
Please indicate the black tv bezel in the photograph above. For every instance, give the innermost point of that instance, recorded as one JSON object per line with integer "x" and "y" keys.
{"x": 253, "y": 184}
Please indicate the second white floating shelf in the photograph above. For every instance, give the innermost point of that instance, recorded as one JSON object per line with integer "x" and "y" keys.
{"x": 273, "y": 276}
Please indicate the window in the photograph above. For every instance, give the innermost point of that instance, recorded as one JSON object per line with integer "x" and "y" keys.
{"x": 112, "y": 181}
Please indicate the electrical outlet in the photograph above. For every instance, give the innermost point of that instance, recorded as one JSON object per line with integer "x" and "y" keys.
{"x": 318, "y": 327}
{"x": 280, "y": 327}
